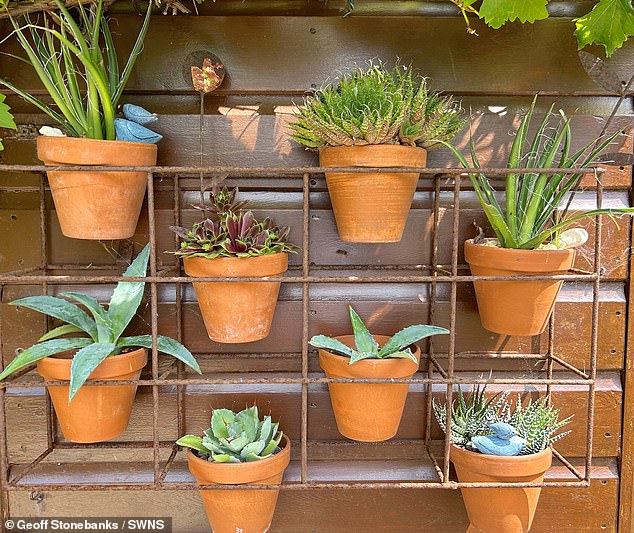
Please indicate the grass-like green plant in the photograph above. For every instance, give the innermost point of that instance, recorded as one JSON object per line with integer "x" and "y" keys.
{"x": 398, "y": 346}
{"x": 236, "y": 438}
{"x": 536, "y": 422}
{"x": 377, "y": 106}
{"x": 78, "y": 66}
{"x": 532, "y": 213}
{"x": 102, "y": 333}
{"x": 6, "y": 118}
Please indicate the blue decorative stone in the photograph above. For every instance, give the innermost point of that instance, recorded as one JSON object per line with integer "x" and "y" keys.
{"x": 504, "y": 441}
{"x": 127, "y": 130}
{"x": 139, "y": 115}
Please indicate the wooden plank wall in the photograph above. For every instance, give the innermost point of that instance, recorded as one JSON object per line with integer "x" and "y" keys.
{"x": 274, "y": 52}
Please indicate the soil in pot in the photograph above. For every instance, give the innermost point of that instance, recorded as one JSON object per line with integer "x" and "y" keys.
{"x": 236, "y": 311}
{"x": 96, "y": 205}
{"x": 97, "y": 412}
{"x": 373, "y": 206}
{"x": 367, "y": 412}
{"x": 519, "y": 307}
{"x": 246, "y": 511}
{"x": 500, "y": 510}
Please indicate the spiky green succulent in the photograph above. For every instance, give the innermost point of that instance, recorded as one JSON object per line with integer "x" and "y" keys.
{"x": 377, "y": 106}
{"x": 537, "y": 422}
{"x": 397, "y": 347}
{"x": 227, "y": 231}
{"x": 236, "y": 438}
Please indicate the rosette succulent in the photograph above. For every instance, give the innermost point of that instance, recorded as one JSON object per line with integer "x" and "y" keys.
{"x": 227, "y": 231}
{"x": 236, "y": 438}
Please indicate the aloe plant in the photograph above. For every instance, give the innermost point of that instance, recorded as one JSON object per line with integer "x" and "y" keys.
{"x": 377, "y": 106}
{"x": 83, "y": 80}
{"x": 226, "y": 231}
{"x": 398, "y": 346}
{"x": 103, "y": 329}
{"x": 537, "y": 422}
{"x": 236, "y": 438}
{"x": 532, "y": 213}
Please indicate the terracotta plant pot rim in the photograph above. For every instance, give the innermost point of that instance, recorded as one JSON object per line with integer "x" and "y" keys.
{"x": 518, "y": 260}
{"x": 382, "y": 155}
{"x": 261, "y": 265}
{"x": 501, "y": 466}
{"x": 55, "y": 368}
{"x": 339, "y": 366}
{"x": 207, "y": 472}
{"x": 96, "y": 142}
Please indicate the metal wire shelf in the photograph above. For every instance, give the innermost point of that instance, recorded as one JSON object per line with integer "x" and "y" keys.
{"x": 433, "y": 373}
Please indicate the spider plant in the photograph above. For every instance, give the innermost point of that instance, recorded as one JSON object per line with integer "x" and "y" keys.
{"x": 532, "y": 214}
{"x": 78, "y": 66}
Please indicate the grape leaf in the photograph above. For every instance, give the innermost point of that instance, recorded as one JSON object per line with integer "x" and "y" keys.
{"x": 610, "y": 23}
{"x": 496, "y": 13}
{"x": 6, "y": 118}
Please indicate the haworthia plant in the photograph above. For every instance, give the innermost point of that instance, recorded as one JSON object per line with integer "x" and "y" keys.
{"x": 236, "y": 437}
{"x": 536, "y": 421}
{"x": 103, "y": 328}
{"x": 398, "y": 346}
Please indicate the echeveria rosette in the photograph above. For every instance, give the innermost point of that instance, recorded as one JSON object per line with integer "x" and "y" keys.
{"x": 227, "y": 231}
{"x": 103, "y": 328}
{"x": 236, "y": 437}
{"x": 398, "y": 346}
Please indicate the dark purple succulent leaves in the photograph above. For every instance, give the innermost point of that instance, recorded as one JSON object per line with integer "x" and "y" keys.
{"x": 226, "y": 231}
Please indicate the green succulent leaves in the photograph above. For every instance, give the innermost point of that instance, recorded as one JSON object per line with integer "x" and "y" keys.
{"x": 531, "y": 214}
{"x": 376, "y": 106}
{"x": 535, "y": 421}
{"x": 227, "y": 231}
{"x": 104, "y": 328}
{"x": 236, "y": 437}
{"x": 398, "y": 346}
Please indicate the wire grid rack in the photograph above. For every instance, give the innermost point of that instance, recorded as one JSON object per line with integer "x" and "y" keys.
{"x": 433, "y": 372}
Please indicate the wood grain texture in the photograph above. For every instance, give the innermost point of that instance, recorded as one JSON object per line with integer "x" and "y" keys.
{"x": 566, "y": 510}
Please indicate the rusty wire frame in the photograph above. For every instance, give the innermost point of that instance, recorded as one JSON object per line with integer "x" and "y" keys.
{"x": 433, "y": 374}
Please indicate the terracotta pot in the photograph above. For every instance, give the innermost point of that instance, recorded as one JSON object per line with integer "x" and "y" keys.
{"x": 504, "y": 510}
{"x": 367, "y": 412}
{"x": 520, "y": 308}
{"x": 97, "y": 412}
{"x": 96, "y": 205}
{"x": 236, "y": 311}
{"x": 244, "y": 511}
{"x": 373, "y": 206}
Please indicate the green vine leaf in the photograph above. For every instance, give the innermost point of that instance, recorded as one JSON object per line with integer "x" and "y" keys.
{"x": 610, "y": 24}
{"x": 496, "y": 13}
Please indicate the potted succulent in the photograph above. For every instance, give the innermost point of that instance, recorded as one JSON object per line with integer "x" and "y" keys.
{"x": 237, "y": 449}
{"x": 85, "y": 348}
{"x": 370, "y": 412}
{"x": 496, "y": 441}
{"x": 231, "y": 243}
{"x": 374, "y": 118}
{"x": 78, "y": 67}
{"x": 533, "y": 234}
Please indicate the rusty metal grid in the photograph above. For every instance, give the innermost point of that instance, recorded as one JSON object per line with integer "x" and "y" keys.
{"x": 432, "y": 371}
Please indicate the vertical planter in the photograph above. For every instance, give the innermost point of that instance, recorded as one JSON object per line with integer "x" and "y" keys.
{"x": 97, "y": 412}
{"x": 500, "y": 510}
{"x": 236, "y": 311}
{"x": 519, "y": 307}
{"x": 367, "y": 412}
{"x": 244, "y": 511}
{"x": 372, "y": 207}
{"x": 101, "y": 204}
